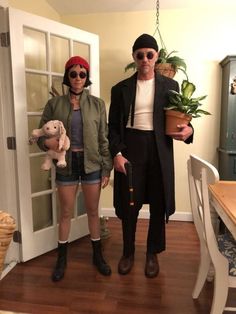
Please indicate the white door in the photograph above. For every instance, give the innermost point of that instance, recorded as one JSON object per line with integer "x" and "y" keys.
{"x": 39, "y": 49}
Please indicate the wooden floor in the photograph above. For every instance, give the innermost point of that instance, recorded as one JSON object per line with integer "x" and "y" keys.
{"x": 29, "y": 289}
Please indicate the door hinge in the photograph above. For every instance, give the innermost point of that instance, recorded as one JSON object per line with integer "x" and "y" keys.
{"x": 5, "y": 39}
{"x": 11, "y": 142}
{"x": 17, "y": 236}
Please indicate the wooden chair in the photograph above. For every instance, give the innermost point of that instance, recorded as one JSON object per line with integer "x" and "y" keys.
{"x": 200, "y": 174}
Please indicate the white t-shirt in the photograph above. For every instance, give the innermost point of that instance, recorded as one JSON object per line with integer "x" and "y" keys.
{"x": 143, "y": 115}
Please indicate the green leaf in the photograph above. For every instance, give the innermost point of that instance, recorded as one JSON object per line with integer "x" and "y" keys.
{"x": 162, "y": 53}
{"x": 171, "y": 107}
{"x": 169, "y": 54}
{"x": 187, "y": 89}
{"x": 199, "y": 98}
{"x": 203, "y": 112}
{"x": 130, "y": 66}
{"x": 177, "y": 62}
{"x": 182, "y": 101}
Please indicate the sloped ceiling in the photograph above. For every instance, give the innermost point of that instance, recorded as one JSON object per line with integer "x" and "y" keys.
{"x": 64, "y": 7}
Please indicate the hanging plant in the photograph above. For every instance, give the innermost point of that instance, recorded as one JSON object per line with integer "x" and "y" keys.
{"x": 168, "y": 65}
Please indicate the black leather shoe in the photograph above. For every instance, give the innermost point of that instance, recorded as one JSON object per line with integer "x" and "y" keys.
{"x": 125, "y": 264}
{"x": 152, "y": 266}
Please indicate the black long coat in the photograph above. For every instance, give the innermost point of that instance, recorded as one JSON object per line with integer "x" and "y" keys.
{"x": 122, "y": 97}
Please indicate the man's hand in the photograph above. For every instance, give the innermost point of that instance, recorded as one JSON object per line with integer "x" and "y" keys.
{"x": 119, "y": 163}
{"x": 184, "y": 132}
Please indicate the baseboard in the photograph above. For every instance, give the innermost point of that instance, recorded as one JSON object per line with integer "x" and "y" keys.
{"x": 144, "y": 213}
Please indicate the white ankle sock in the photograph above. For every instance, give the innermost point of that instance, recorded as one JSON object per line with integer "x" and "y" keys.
{"x": 95, "y": 239}
{"x": 62, "y": 242}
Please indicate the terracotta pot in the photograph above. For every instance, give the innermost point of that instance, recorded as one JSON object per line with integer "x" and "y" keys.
{"x": 165, "y": 69}
{"x": 173, "y": 118}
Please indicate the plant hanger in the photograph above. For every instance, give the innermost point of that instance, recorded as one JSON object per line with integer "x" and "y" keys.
{"x": 157, "y": 29}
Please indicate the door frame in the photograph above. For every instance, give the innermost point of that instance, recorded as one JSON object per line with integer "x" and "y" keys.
{"x": 8, "y": 182}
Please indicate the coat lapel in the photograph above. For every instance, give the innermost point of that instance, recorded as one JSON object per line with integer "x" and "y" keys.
{"x": 159, "y": 91}
{"x": 128, "y": 93}
{"x": 159, "y": 102}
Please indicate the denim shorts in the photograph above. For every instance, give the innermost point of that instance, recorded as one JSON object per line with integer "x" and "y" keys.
{"x": 78, "y": 174}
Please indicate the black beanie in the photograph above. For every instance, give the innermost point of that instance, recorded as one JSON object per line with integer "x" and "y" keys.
{"x": 145, "y": 41}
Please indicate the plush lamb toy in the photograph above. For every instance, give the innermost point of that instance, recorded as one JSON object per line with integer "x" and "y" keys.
{"x": 53, "y": 128}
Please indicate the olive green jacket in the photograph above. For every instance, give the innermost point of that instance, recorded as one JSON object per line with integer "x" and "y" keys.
{"x": 95, "y": 130}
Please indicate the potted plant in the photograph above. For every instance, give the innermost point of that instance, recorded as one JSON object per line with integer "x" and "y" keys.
{"x": 166, "y": 65}
{"x": 183, "y": 107}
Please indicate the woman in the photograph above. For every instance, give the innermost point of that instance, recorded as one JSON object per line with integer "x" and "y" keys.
{"x": 88, "y": 159}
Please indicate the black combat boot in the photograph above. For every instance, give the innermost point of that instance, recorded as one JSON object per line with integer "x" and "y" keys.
{"x": 98, "y": 259}
{"x": 59, "y": 270}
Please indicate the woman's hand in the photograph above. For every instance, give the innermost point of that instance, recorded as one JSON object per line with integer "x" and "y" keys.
{"x": 105, "y": 181}
{"x": 52, "y": 143}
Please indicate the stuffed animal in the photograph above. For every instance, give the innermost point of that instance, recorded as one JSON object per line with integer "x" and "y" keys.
{"x": 53, "y": 128}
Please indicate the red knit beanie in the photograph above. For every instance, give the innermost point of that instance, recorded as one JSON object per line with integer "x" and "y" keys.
{"x": 77, "y": 60}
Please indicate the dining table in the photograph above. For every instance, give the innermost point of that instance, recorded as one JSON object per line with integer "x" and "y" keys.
{"x": 223, "y": 198}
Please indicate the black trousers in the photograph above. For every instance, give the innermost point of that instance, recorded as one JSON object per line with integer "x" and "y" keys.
{"x": 148, "y": 189}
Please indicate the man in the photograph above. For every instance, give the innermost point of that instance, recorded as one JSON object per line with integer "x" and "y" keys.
{"x": 137, "y": 135}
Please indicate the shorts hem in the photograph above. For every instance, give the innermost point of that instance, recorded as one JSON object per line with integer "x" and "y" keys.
{"x": 67, "y": 183}
{"x": 91, "y": 182}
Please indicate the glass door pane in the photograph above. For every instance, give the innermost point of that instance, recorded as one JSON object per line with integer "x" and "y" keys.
{"x": 36, "y": 92}
{"x": 42, "y": 212}
{"x": 35, "y": 49}
{"x": 59, "y": 53}
{"x": 81, "y": 49}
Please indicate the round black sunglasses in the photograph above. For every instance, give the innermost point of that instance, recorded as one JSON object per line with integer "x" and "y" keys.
{"x": 74, "y": 74}
{"x": 141, "y": 55}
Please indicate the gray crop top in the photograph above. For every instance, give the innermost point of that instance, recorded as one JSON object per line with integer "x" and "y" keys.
{"x": 77, "y": 130}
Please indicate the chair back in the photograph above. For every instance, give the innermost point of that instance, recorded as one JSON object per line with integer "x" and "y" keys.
{"x": 200, "y": 174}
